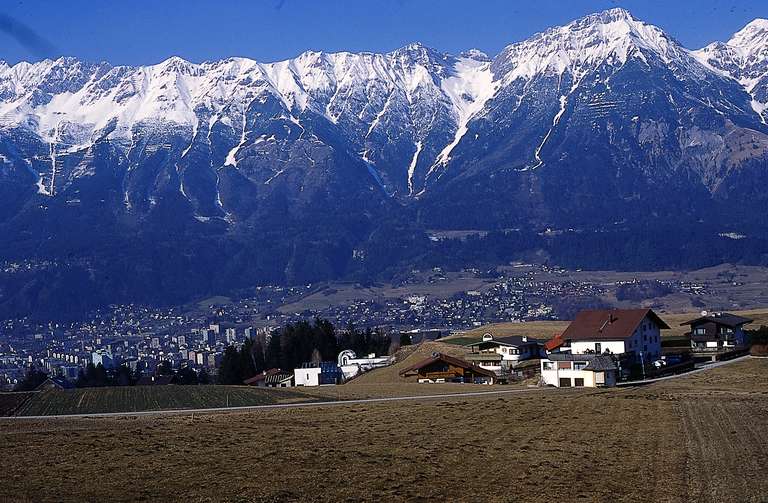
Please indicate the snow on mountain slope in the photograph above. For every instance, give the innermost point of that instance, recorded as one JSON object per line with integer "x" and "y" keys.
{"x": 403, "y": 115}
{"x": 744, "y": 58}
{"x": 405, "y": 95}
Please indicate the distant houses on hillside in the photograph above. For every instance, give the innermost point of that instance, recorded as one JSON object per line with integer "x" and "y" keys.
{"x": 599, "y": 348}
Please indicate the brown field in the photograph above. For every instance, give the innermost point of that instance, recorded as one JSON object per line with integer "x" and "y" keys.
{"x": 11, "y": 402}
{"x": 699, "y": 438}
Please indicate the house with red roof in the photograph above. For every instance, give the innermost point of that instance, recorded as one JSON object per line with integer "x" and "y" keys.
{"x": 599, "y": 343}
{"x": 635, "y": 333}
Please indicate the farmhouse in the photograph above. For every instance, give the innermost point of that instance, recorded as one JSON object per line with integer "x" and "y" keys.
{"x": 272, "y": 378}
{"x": 443, "y": 368}
{"x": 634, "y": 333}
{"x": 503, "y": 353}
{"x": 317, "y": 374}
{"x": 591, "y": 370}
{"x": 717, "y": 331}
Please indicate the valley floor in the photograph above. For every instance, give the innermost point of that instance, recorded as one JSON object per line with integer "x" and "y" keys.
{"x": 698, "y": 438}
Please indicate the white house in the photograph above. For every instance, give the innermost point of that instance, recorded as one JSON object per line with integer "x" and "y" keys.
{"x": 317, "y": 374}
{"x": 565, "y": 370}
{"x": 351, "y": 365}
{"x": 635, "y": 333}
{"x": 502, "y": 353}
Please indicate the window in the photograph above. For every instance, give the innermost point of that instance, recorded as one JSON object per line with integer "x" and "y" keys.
{"x": 548, "y": 366}
{"x": 700, "y": 331}
{"x": 565, "y": 382}
{"x": 579, "y": 365}
{"x": 578, "y": 382}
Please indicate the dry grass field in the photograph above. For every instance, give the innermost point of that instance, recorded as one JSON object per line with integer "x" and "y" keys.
{"x": 699, "y": 438}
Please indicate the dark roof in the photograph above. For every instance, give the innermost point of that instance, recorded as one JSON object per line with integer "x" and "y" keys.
{"x": 58, "y": 382}
{"x": 601, "y": 363}
{"x": 608, "y": 324}
{"x": 510, "y": 340}
{"x": 596, "y": 363}
{"x": 270, "y": 376}
{"x": 727, "y": 319}
{"x": 487, "y": 357}
{"x": 457, "y": 362}
{"x": 326, "y": 366}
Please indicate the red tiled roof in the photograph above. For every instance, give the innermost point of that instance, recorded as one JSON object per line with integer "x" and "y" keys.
{"x": 554, "y": 343}
{"x": 608, "y": 324}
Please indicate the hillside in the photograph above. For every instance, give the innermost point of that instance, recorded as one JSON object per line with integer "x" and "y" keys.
{"x": 546, "y": 329}
{"x": 699, "y": 438}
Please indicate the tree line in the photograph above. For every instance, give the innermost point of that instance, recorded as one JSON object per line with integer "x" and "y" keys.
{"x": 96, "y": 376}
{"x": 296, "y": 343}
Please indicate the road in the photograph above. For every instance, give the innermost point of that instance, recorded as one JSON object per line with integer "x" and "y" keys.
{"x": 685, "y": 374}
{"x": 467, "y": 394}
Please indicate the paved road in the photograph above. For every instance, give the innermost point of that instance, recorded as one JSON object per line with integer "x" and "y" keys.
{"x": 684, "y": 374}
{"x": 352, "y": 402}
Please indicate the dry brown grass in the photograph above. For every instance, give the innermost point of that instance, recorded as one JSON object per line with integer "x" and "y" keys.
{"x": 661, "y": 443}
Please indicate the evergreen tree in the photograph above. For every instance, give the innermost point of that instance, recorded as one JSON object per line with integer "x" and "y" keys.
{"x": 186, "y": 376}
{"x": 274, "y": 354}
{"x": 165, "y": 368}
{"x": 203, "y": 377}
{"x": 229, "y": 371}
{"x": 247, "y": 360}
{"x": 123, "y": 376}
{"x": 32, "y": 380}
{"x": 259, "y": 362}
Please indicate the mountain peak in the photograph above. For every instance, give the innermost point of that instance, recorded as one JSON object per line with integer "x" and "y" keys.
{"x": 752, "y": 38}
{"x": 610, "y": 36}
{"x": 612, "y": 15}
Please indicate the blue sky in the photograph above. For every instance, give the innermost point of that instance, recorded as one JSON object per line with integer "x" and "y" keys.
{"x": 146, "y": 32}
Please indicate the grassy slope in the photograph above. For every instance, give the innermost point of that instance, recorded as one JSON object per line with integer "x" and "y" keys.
{"x": 144, "y": 398}
{"x": 10, "y": 402}
{"x": 695, "y": 439}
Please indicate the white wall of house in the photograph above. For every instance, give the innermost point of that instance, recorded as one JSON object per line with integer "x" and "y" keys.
{"x": 645, "y": 338}
{"x": 307, "y": 377}
{"x": 582, "y": 347}
{"x": 551, "y": 375}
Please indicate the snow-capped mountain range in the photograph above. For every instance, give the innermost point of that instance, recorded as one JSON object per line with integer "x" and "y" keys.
{"x": 605, "y": 120}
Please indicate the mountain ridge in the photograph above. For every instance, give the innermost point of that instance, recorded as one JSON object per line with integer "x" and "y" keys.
{"x": 333, "y": 165}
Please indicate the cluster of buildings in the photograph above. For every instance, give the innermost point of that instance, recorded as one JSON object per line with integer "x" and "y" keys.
{"x": 600, "y": 347}
{"x": 65, "y": 357}
{"x": 347, "y": 366}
